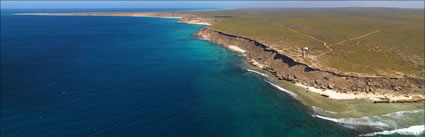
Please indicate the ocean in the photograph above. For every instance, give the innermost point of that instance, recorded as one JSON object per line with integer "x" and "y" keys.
{"x": 75, "y": 76}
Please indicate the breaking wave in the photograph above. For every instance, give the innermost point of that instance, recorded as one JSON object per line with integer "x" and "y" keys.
{"x": 282, "y": 89}
{"x": 382, "y": 122}
{"x": 271, "y": 83}
{"x": 401, "y": 113}
{"x": 390, "y": 123}
{"x": 391, "y": 120}
{"x": 259, "y": 73}
{"x": 352, "y": 122}
{"x": 412, "y": 130}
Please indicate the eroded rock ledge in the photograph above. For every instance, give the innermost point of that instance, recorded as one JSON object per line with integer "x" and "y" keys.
{"x": 394, "y": 90}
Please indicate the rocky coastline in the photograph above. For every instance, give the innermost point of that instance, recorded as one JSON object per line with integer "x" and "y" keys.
{"x": 377, "y": 89}
{"x": 326, "y": 83}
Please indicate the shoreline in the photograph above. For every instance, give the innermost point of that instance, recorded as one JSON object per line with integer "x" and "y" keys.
{"x": 322, "y": 85}
{"x": 376, "y": 98}
{"x": 324, "y": 103}
{"x": 325, "y": 92}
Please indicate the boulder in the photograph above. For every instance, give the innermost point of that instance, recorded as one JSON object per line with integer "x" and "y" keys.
{"x": 324, "y": 95}
{"x": 330, "y": 86}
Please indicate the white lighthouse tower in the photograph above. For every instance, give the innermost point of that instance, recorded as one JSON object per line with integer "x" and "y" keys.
{"x": 305, "y": 49}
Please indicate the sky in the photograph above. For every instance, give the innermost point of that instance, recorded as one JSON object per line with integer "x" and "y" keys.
{"x": 203, "y": 4}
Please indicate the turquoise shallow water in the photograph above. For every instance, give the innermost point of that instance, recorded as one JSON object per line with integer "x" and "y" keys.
{"x": 125, "y": 76}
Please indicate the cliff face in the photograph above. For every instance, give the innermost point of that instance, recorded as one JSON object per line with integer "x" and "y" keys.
{"x": 285, "y": 68}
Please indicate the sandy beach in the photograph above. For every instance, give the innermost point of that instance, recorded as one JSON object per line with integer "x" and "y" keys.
{"x": 374, "y": 97}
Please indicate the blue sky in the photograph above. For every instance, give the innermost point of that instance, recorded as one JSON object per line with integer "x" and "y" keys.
{"x": 204, "y": 4}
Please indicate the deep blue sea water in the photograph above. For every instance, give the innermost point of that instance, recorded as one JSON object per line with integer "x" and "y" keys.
{"x": 74, "y": 76}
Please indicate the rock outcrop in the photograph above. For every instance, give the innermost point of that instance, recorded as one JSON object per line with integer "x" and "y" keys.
{"x": 285, "y": 68}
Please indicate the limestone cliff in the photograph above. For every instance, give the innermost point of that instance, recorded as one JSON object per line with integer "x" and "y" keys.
{"x": 285, "y": 68}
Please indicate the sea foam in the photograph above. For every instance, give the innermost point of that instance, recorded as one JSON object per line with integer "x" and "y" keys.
{"x": 282, "y": 89}
{"x": 376, "y": 121}
{"x": 386, "y": 121}
{"x": 401, "y": 113}
{"x": 350, "y": 122}
{"x": 259, "y": 73}
{"x": 412, "y": 130}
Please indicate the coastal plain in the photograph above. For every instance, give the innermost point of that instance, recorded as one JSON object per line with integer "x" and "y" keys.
{"x": 356, "y": 41}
